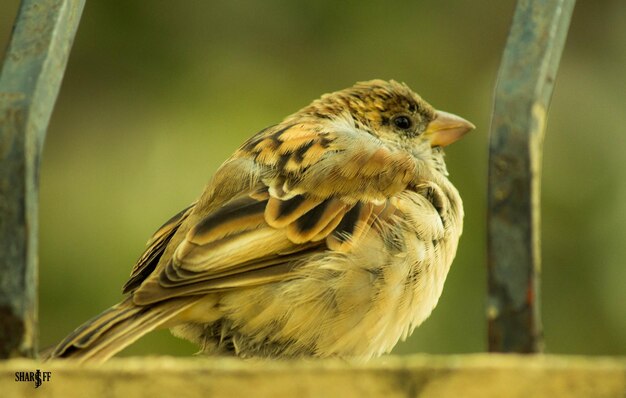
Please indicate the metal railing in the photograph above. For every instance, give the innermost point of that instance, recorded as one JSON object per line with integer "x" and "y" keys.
{"x": 525, "y": 82}
{"x": 31, "y": 75}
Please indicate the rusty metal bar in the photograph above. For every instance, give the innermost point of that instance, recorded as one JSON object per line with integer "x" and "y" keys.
{"x": 525, "y": 83}
{"x": 29, "y": 83}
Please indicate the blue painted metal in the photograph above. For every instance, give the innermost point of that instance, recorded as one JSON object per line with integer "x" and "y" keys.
{"x": 525, "y": 83}
{"x": 29, "y": 83}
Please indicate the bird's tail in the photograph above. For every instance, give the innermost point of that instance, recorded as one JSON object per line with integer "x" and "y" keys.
{"x": 113, "y": 330}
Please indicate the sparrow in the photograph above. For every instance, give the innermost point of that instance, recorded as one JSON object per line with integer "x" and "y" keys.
{"x": 329, "y": 234}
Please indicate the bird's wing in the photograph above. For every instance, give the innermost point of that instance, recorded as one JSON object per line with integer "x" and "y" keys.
{"x": 307, "y": 191}
{"x": 155, "y": 248}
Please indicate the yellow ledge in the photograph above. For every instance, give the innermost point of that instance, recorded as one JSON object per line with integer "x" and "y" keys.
{"x": 477, "y": 375}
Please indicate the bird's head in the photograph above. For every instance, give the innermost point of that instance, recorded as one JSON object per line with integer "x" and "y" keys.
{"x": 392, "y": 112}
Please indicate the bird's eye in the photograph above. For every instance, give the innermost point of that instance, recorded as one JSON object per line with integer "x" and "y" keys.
{"x": 402, "y": 122}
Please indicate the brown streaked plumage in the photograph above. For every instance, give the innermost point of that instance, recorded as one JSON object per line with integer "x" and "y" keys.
{"x": 328, "y": 234}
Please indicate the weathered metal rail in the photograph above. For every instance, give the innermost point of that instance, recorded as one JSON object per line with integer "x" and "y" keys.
{"x": 524, "y": 87}
{"x": 29, "y": 83}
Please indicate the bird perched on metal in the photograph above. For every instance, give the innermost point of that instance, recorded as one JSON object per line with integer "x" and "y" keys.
{"x": 329, "y": 234}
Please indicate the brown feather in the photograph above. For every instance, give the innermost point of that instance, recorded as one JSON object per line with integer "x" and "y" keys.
{"x": 312, "y": 223}
{"x": 280, "y": 213}
{"x": 156, "y": 246}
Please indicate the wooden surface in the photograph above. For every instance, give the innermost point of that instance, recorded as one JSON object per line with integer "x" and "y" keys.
{"x": 524, "y": 87}
{"x": 29, "y": 83}
{"x": 467, "y": 376}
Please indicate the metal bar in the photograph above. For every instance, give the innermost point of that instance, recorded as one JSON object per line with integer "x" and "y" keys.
{"x": 29, "y": 83}
{"x": 525, "y": 83}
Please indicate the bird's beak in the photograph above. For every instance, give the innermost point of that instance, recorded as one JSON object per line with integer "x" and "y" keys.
{"x": 446, "y": 129}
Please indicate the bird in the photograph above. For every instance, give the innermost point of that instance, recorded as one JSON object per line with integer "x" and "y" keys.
{"x": 329, "y": 234}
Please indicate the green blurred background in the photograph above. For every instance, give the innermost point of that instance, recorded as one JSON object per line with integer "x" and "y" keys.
{"x": 158, "y": 93}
